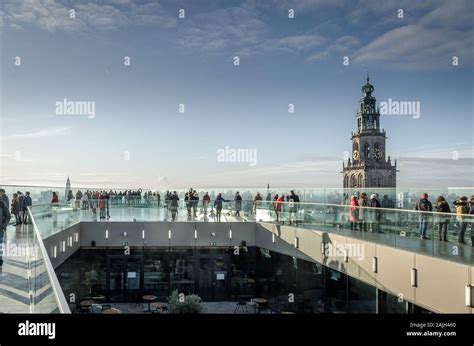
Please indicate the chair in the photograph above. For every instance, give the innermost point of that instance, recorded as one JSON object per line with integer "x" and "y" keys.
{"x": 241, "y": 304}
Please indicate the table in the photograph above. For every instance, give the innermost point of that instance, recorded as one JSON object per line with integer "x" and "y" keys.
{"x": 260, "y": 302}
{"x": 149, "y": 298}
{"x": 111, "y": 311}
{"x": 158, "y": 306}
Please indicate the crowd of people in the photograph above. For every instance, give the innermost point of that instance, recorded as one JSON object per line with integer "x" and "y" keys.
{"x": 462, "y": 207}
{"x": 18, "y": 207}
{"x": 364, "y": 213}
{"x": 363, "y": 218}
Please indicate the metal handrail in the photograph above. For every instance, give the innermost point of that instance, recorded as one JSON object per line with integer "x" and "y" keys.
{"x": 365, "y": 208}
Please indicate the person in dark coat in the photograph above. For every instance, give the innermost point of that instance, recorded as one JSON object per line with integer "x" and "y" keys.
{"x": 16, "y": 209}
{"x": 423, "y": 205}
{"x": 238, "y": 203}
{"x": 443, "y": 220}
{"x": 218, "y": 204}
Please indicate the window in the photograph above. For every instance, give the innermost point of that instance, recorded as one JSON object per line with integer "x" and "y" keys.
{"x": 353, "y": 181}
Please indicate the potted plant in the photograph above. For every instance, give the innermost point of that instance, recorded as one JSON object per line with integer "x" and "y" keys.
{"x": 181, "y": 304}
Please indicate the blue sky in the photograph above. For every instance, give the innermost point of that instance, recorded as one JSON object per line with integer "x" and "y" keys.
{"x": 138, "y": 137}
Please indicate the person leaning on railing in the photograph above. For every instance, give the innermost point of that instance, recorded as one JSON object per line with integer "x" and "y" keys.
{"x": 462, "y": 208}
{"x": 27, "y": 202}
{"x": 442, "y": 220}
{"x": 218, "y": 204}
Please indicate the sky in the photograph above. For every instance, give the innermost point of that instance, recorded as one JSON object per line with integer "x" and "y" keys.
{"x": 138, "y": 137}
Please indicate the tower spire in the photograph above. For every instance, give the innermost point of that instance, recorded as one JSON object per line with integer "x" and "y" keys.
{"x": 368, "y": 77}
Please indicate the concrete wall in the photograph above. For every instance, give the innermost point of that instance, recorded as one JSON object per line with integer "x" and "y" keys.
{"x": 440, "y": 284}
{"x": 56, "y": 240}
{"x": 167, "y": 233}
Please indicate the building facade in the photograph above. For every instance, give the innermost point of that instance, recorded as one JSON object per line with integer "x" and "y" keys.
{"x": 369, "y": 166}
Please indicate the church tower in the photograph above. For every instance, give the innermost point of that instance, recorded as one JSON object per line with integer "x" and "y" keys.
{"x": 68, "y": 187}
{"x": 369, "y": 166}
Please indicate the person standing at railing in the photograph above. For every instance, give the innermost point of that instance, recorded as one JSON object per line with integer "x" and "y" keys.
{"x": 462, "y": 208}
{"x": 293, "y": 202}
{"x": 423, "y": 205}
{"x": 21, "y": 200}
{"x": 173, "y": 200}
{"x": 205, "y": 202}
{"x": 70, "y": 197}
{"x": 194, "y": 202}
{"x": 15, "y": 209}
{"x": 443, "y": 220}
{"x": 54, "y": 199}
{"x": 375, "y": 214}
{"x": 102, "y": 205}
{"x": 85, "y": 200}
{"x": 363, "y": 204}
{"x": 167, "y": 199}
{"x": 107, "y": 203}
{"x": 238, "y": 203}
{"x": 354, "y": 213}
{"x": 27, "y": 202}
{"x": 218, "y": 204}
{"x": 95, "y": 201}
{"x": 256, "y": 199}
{"x": 187, "y": 202}
{"x": 78, "y": 198}
{"x": 278, "y": 204}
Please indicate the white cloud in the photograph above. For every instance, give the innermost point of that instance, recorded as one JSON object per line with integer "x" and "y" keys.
{"x": 235, "y": 28}
{"x": 430, "y": 42}
{"x": 62, "y": 131}
{"x": 54, "y": 15}
{"x": 343, "y": 44}
{"x": 418, "y": 47}
{"x": 16, "y": 27}
{"x": 295, "y": 43}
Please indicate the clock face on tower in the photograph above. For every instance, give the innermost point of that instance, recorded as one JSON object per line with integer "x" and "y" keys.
{"x": 378, "y": 154}
{"x": 355, "y": 155}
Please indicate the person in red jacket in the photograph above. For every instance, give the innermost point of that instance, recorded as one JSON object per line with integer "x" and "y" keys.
{"x": 205, "y": 202}
{"x": 278, "y": 204}
{"x": 354, "y": 213}
{"x": 102, "y": 205}
{"x": 55, "y": 199}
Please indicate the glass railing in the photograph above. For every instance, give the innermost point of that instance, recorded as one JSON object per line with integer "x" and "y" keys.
{"x": 442, "y": 235}
{"x": 46, "y": 295}
{"x": 53, "y": 218}
{"x": 404, "y": 198}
